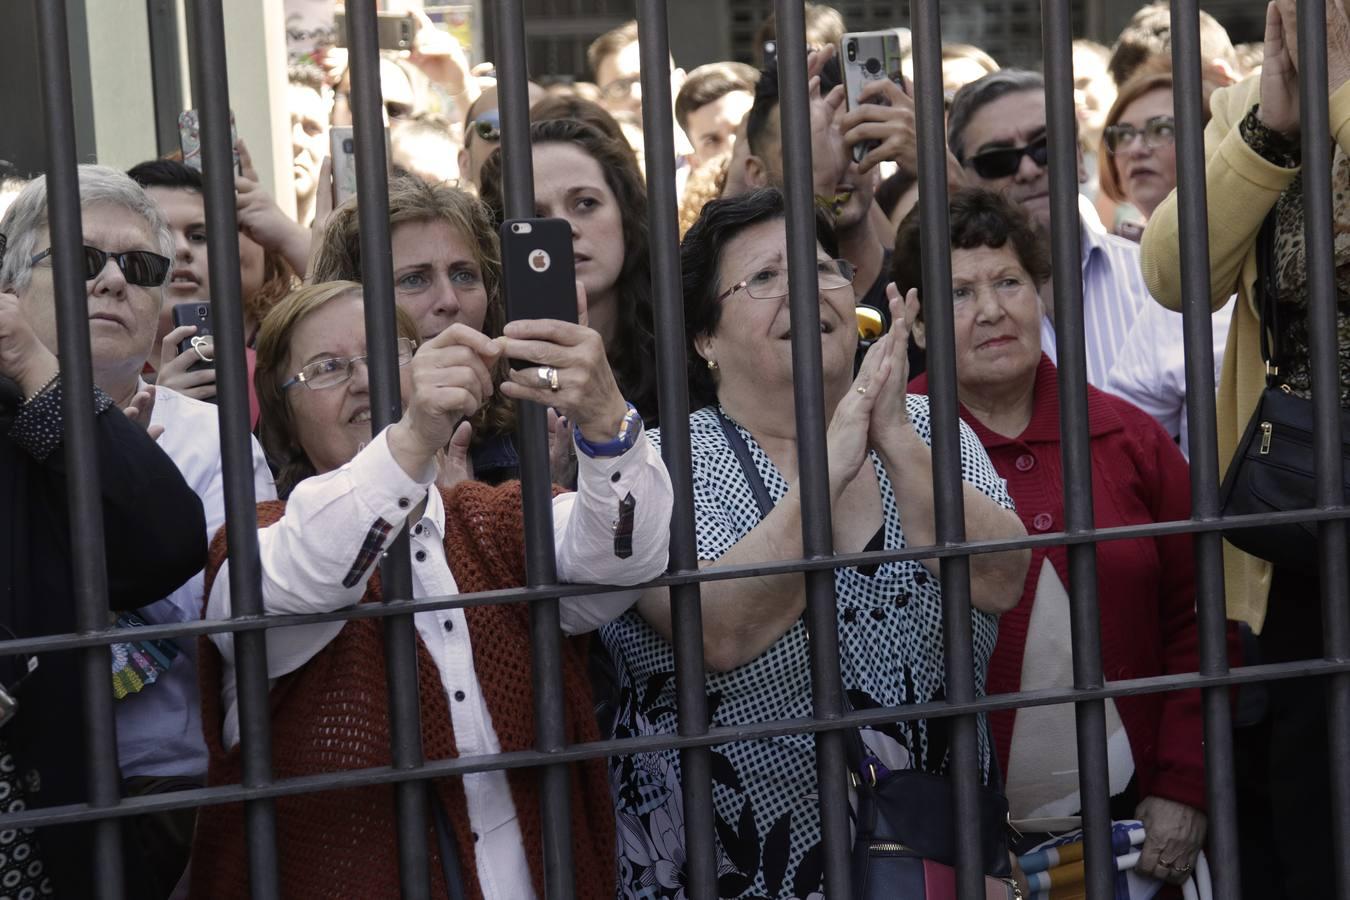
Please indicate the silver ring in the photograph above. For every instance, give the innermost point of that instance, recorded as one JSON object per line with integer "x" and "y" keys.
{"x": 862, "y": 389}
{"x": 204, "y": 347}
{"x": 549, "y": 376}
{"x": 1181, "y": 868}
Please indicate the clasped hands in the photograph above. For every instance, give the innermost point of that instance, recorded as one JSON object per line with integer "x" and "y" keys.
{"x": 873, "y": 413}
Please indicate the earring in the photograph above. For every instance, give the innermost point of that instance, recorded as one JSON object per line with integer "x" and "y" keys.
{"x": 712, "y": 365}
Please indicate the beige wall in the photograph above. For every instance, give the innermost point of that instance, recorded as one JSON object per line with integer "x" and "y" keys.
{"x": 123, "y": 93}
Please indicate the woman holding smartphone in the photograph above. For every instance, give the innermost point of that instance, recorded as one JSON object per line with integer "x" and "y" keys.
{"x": 594, "y": 183}
{"x": 350, "y": 493}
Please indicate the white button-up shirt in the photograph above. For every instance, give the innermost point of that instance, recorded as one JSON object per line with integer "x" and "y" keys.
{"x": 159, "y": 729}
{"x": 310, "y": 564}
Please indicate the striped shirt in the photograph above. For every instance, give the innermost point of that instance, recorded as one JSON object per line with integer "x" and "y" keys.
{"x": 1113, "y": 295}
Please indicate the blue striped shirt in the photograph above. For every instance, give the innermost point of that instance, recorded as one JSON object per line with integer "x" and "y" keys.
{"x": 1113, "y": 295}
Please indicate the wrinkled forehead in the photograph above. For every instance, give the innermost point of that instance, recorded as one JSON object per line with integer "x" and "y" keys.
{"x": 115, "y": 228}
{"x": 1010, "y": 121}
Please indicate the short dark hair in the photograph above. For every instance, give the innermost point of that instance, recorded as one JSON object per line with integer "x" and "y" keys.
{"x": 978, "y": 217}
{"x": 766, "y": 101}
{"x": 973, "y": 97}
{"x": 166, "y": 173}
{"x": 709, "y": 83}
{"x": 700, "y": 259}
{"x": 824, "y": 25}
{"x": 1149, "y": 34}
{"x": 609, "y": 43}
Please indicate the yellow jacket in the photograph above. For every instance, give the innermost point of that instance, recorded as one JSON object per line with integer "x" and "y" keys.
{"x": 1242, "y": 188}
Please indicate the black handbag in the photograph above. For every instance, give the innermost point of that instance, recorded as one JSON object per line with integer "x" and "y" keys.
{"x": 903, "y": 846}
{"x": 1272, "y": 469}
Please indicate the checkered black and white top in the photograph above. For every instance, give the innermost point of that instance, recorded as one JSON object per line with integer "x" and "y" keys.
{"x": 890, "y": 645}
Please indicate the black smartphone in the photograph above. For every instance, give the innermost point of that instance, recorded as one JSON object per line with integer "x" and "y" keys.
{"x": 394, "y": 30}
{"x": 196, "y": 312}
{"x": 538, "y": 272}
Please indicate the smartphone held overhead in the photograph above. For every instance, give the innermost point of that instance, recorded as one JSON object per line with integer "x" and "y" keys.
{"x": 395, "y": 30}
{"x": 190, "y": 140}
{"x": 867, "y": 56}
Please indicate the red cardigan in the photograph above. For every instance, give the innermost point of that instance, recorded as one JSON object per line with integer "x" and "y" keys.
{"x": 1145, "y": 586}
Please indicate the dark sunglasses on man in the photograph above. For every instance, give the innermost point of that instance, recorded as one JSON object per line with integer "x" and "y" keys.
{"x": 139, "y": 267}
{"x": 488, "y": 127}
{"x": 1002, "y": 162}
{"x": 1158, "y": 131}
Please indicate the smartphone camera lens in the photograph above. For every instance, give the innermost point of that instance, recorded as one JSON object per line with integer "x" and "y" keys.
{"x": 852, "y": 51}
{"x": 515, "y": 229}
{"x": 348, "y": 146}
{"x": 202, "y": 311}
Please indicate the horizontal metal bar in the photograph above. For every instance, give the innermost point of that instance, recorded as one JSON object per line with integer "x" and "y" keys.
{"x": 650, "y": 744}
{"x": 53, "y": 643}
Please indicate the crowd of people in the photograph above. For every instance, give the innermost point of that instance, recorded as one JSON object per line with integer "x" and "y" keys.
{"x": 332, "y": 496}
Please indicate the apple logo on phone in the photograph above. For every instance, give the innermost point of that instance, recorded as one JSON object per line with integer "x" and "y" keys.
{"x": 540, "y": 261}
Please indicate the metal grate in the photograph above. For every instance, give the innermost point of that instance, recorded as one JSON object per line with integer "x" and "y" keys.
{"x": 551, "y": 756}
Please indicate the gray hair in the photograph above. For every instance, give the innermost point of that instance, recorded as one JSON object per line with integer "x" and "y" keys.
{"x": 978, "y": 94}
{"x": 26, "y": 217}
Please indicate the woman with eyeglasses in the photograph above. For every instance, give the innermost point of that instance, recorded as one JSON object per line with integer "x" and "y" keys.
{"x": 594, "y": 182}
{"x": 447, "y": 270}
{"x": 747, "y": 509}
{"x": 349, "y": 495}
{"x": 1009, "y": 394}
{"x": 1140, "y": 169}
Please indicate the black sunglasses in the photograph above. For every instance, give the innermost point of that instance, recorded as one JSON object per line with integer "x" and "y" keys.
{"x": 139, "y": 267}
{"x": 1003, "y": 161}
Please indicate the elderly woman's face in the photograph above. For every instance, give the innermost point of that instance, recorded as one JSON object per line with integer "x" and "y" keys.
{"x": 752, "y": 345}
{"x": 332, "y": 423}
{"x": 998, "y": 317}
{"x": 1146, "y": 174}
{"x": 122, "y": 316}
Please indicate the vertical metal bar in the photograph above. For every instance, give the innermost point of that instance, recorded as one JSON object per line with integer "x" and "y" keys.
{"x": 949, "y": 506}
{"x": 89, "y": 573}
{"x": 812, "y": 462}
{"x": 255, "y": 723}
{"x": 700, "y": 876}
{"x": 541, "y": 568}
{"x": 386, "y": 408}
{"x": 1319, "y": 225}
{"x": 1193, "y": 217}
{"x": 1066, "y": 244}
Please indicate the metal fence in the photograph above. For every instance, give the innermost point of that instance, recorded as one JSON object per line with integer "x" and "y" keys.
{"x": 551, "y": 756}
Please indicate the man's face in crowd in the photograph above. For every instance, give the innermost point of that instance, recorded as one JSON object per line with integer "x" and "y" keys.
{"x": 189, "y": 279}
{"x": 617, "y": 76}
{"x": 477, "y": 148}
{"x": 309, "y": 137}
{"x": 712, "y": 127}
{"x": 122, "y": 316}
{"x": 1010, "y": 122}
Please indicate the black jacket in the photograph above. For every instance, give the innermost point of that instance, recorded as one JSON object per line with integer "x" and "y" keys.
{"x": 154, "y": 537}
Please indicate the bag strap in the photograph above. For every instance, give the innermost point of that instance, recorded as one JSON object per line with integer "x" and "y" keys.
{"x": 1266, "y": 300}
{"x": 742, "y": 451}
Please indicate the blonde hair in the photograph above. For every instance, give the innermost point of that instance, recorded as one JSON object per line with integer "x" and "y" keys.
{"x": 276, "y": 424}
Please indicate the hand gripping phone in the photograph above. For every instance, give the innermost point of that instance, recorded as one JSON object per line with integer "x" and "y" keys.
{"x": 196, "y": 312}
{"x": 869, "y": 56}
{"x": 538, "y": 272}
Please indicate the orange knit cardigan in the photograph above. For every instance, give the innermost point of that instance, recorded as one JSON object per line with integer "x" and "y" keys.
{"x": 332, "y": 715}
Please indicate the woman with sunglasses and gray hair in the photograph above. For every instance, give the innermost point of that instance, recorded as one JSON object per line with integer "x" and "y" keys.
{"x": 349, "y": 494}
{"x": 153, "y": 524}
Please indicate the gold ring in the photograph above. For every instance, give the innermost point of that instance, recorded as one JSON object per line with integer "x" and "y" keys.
{"x": 552, "y": 379}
